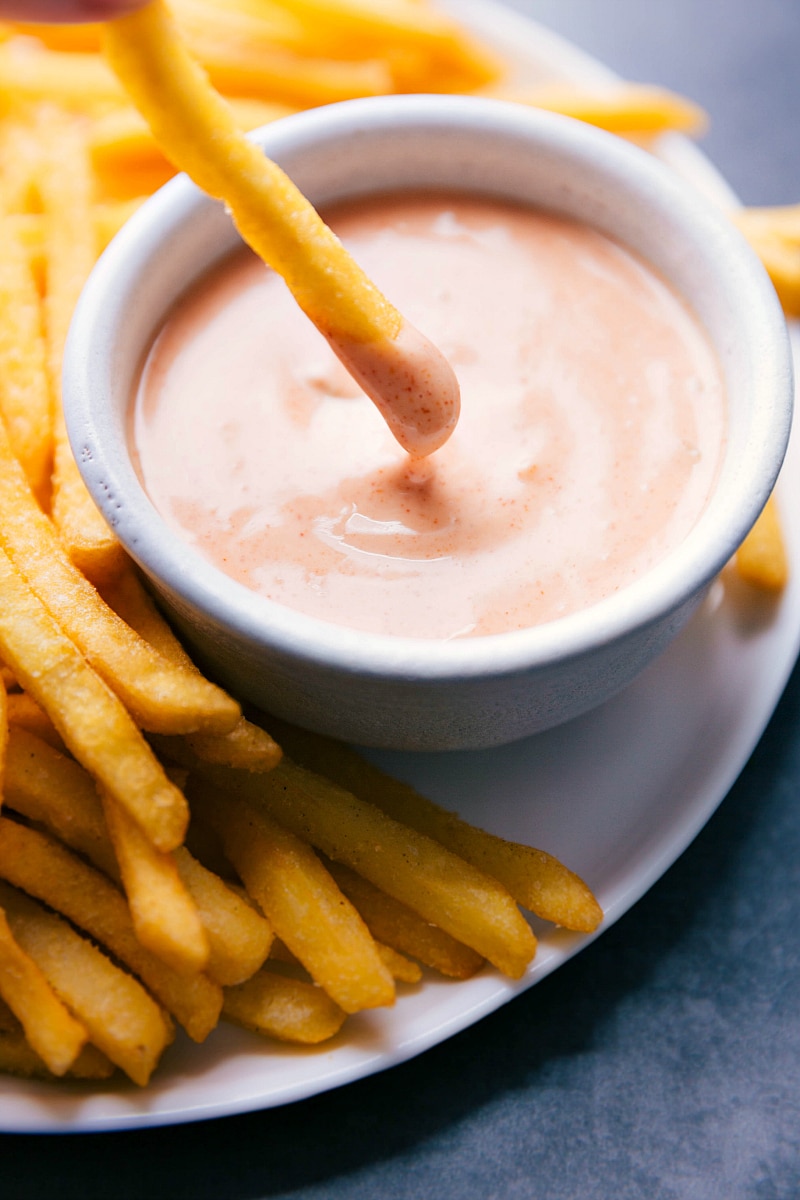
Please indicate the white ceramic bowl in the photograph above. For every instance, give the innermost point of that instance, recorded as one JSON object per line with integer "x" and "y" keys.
{"x": 418, "y": 694}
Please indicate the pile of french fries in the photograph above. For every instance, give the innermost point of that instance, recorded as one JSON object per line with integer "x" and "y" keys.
{"x": 165, "y": 860}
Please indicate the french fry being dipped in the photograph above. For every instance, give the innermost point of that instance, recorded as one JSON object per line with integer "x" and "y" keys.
{"x": 411, "y": 383}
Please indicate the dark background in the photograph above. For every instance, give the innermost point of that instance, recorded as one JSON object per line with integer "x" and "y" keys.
{"x": 662, "y": 1062}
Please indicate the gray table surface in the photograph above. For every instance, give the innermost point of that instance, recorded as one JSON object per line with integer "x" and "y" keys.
{"x": 662, "y": 1062}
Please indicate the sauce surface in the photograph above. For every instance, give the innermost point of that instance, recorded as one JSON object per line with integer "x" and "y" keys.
{"x": 591, "y": 429}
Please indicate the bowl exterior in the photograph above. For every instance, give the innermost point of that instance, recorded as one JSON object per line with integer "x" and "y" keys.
{"x": 405, "y": 712}
{"x": 392, "y": 692}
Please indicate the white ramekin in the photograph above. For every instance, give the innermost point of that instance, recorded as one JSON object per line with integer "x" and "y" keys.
{"x": 407, "y": 693}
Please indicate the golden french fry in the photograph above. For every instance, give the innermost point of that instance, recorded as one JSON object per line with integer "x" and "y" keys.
{"x": 121, "y": 142}
{"x": 397, "y": 366}
{"x": 122, "y": 1019}
{"x": 782, "y": 263}
{"x": 774, "y": 234}
{"x": 23, "y": 712}
{"x": 64, "y": 185}
{"x": 288, "y": 1009}
{"x": 31, "y": 74}
{"x": 402, "y": 969}
{"x": 70, "y": 246}
{"x": 50, "y": 1029}
{"x": 43, "y": 868}
{"x": 781, "y": 259}
{"x": 300, "y": 900}
{"x": 18, "y": 1058}
{"x": 245, "y": 745}
{"x": 53, "y": 790}
{"x": 398, "y": 926}
{"x": 417, "y": 47}
{"x": 239, "y": 937}
{"x": 29, "y": 231}
{"x": 19, "y": 164}
{"x": 3, "y": 734}
{"x": 356, "y": 24}
{"x": 164, "y": 914}
{"x": 89, "y": 717}
{"x": 108, "y": 217}
{"x": 535, "y": 879}
{"x": 83, "y": 38}
{"x": 128, "y": 597}
{"x": 761, "y": 560}
{"x": 25, "y": 404}
{"x": 280, "y": 76}
{"x": 199, "y": 133}
{"x": 412, "y": 867}
{"x": 626, "y": 108}
{"x": 57, "y": 793}
{"x": 159, "y": 695}
{"x": 265, "y": 55}
{"x": 779, "y": 220}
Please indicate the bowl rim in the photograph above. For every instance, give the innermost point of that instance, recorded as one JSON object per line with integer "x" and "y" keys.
{"x": 108, "y": 472}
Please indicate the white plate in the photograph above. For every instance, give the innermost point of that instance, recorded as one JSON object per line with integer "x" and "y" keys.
{"x": 618, "y": 795}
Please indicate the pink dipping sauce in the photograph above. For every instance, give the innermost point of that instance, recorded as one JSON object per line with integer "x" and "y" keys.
{"x": 591, "y": 431}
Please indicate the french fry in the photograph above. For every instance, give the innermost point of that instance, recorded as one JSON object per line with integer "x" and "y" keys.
{"x": 43, "y": 868}
{"x": 159, "y": 695}
{"x": 164, "y": 914}
{"x": 65, "y": 186}
{"x": 290, "y": 1010}
{"x": 238, "y": 69}
{"x": 410, "y": 866}
{"x": 130, "y": 600}
{"x": 774, "y": 234}
{"x": 3, "y": 734}
{"x": 780, "y": 220}
{"x": 88, "y": 716}
{"x": 628, "y": 109}
{"x": 262, "y": 25}
{"x": 82, "y": 38}
{"x": 122, "y": 1020}
{"x": 31, "y": 74}
{"x": 402, "y": 969}
{"x": 535, "y": 879}
{"x": 28, "y": 230}
{"x": 53, "y": 790}
{"x": 121, "y": 143}
{"x": 300, "y": 900}
{"x": 246, "y": 745}
{"x": 239, "y": 937}
{"x": 762, "y": 560}
{"x": 23, "y": 712}
{"x": 399, "y": 927}
{"x": 19, "y": 164}
{"x": 50, "y": 1030}
{"x": 18, "y": 1058}
{"x": 199, "y": 133}
{"x": 358, "y": 25}
{"x": 25, "y": 403}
